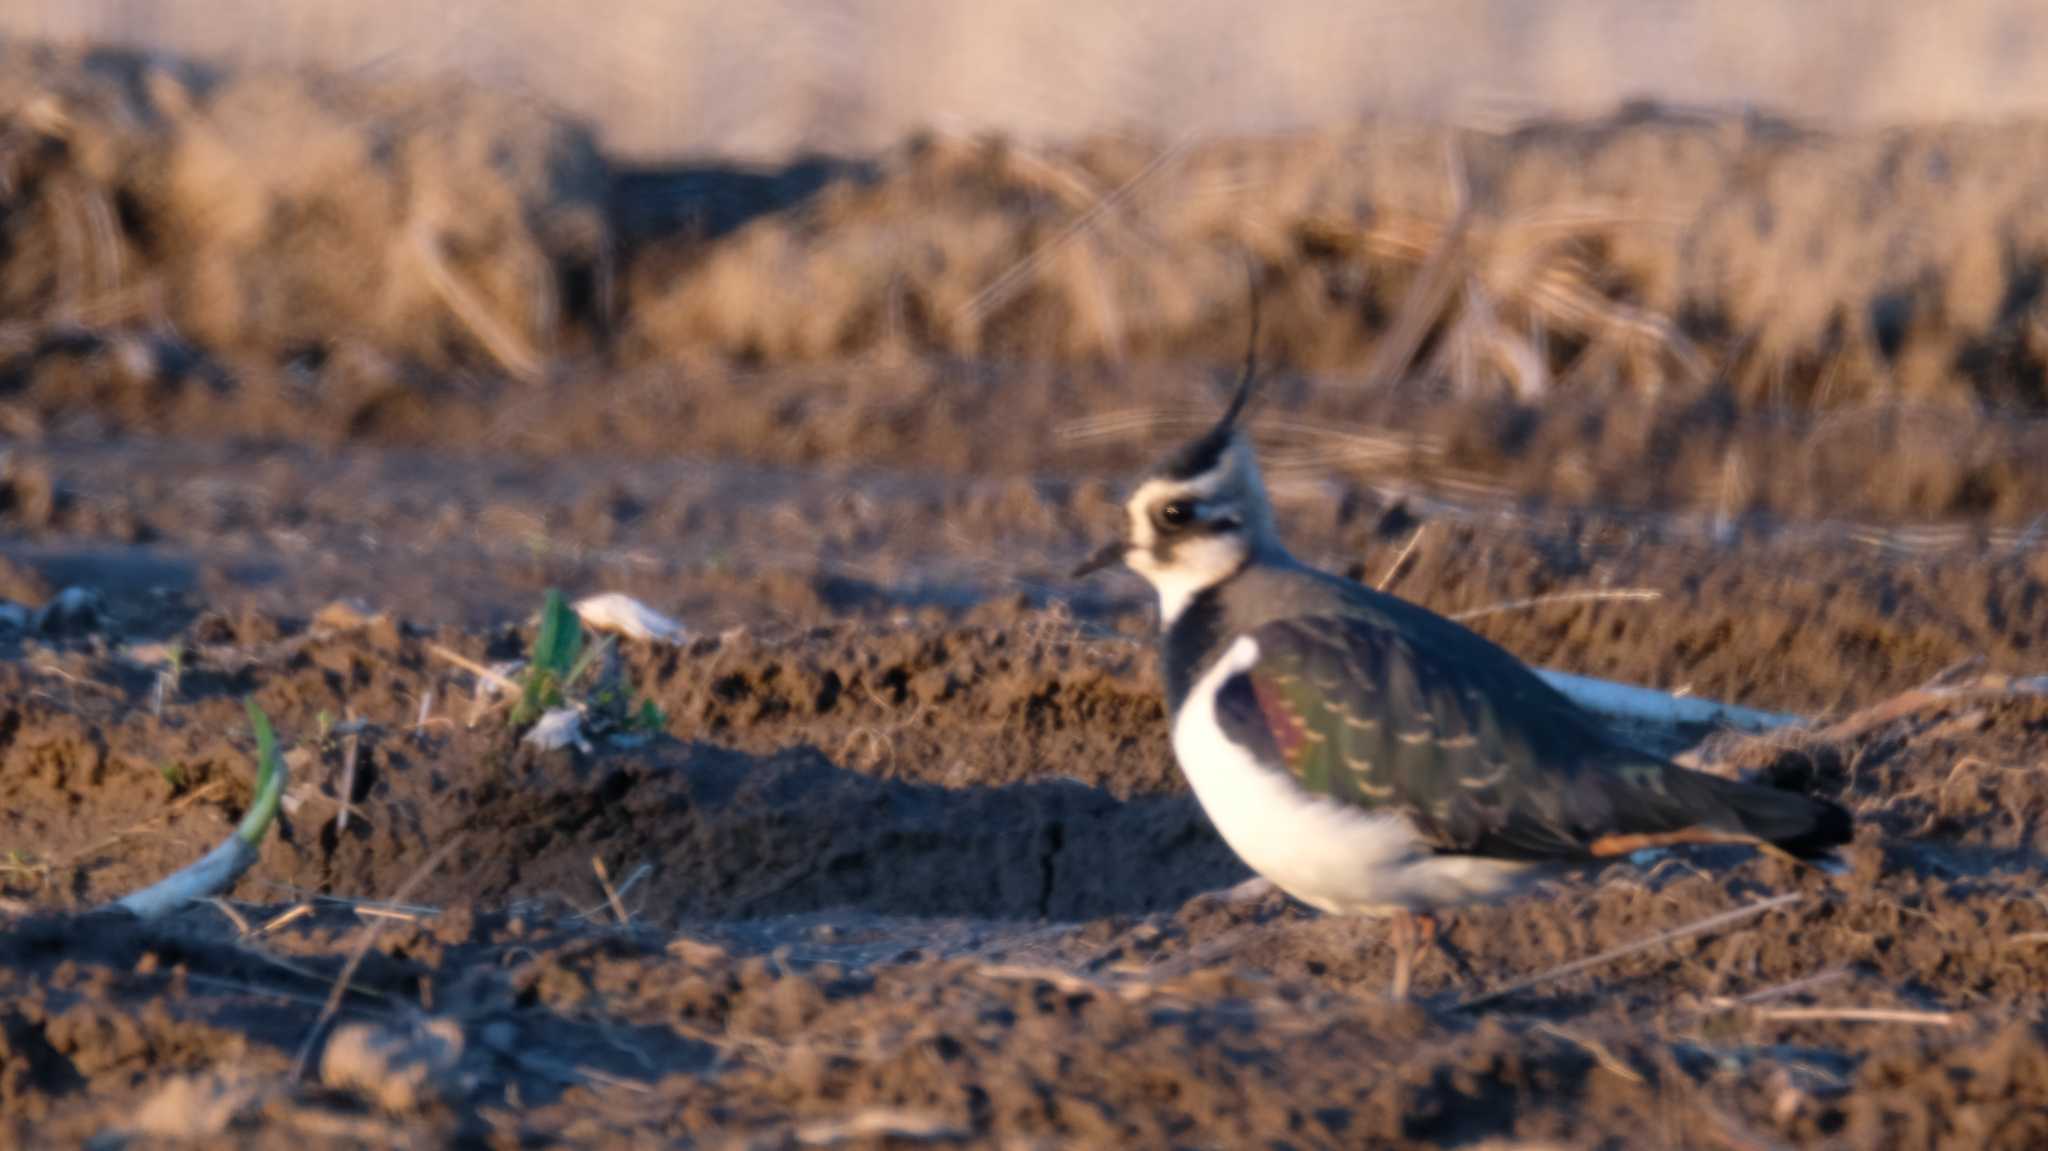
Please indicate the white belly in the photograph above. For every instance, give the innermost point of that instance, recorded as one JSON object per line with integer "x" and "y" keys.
{"x": 1322, "y": 851}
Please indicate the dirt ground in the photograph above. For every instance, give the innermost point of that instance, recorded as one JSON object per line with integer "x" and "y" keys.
{"x": 911, "y": 864}
{"x": 908, "y": 862}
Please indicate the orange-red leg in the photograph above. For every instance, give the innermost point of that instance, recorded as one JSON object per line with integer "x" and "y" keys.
{"x": 1413, "y": 937}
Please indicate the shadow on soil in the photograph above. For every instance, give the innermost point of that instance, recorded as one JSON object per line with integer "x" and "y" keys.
{"x": 735, "y": 836}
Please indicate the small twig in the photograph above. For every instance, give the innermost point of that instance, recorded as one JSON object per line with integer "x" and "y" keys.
{"x": 1956, "y": 672}
{"x": 1597, "y": 595}
{"x": 474, "y": 668}
{"x": 365, "y": 940}
{"x": 75, "y": 679}
{"x": 611, "y": 894}
{"x": 247, "y": 988}
{"x": 307, "y": 973}
{"x": 1856, "y": 1015}
{"x": 1599, "y": 1051}
{"x": 877, "y": 1122}
{"x": 634, "y": 877}
{"x": 503, "y": 344}
{"x": 1394, "y": 569}
{"x": 1722, "y": 1003}
{"x": 346, "y": 901}
{"x": 1699, "y": 927}
{"x": 1924, "y": 698}
{"x": 234, "y": 917}
{"x": 632, "y": 880}
{"x": 293, "y": 914}
{"x": 607, "y": 1079}
{"x": 350, "y": 747}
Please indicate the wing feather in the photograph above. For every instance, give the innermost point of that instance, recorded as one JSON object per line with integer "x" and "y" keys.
{"x": 1483, "y": 756}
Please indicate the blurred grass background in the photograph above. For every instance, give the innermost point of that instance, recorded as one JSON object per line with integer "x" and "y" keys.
{"x": 268, "y": 225}
{"x": 767, "y": 78}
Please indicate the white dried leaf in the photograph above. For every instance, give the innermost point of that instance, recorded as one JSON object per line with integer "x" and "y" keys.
{"x": 559, "y": 727}
{"x": 613, "y": 611}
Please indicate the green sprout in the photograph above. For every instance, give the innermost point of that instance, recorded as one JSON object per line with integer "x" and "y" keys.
{"x": 270, "y": 776}
{"x": 555, "y": 662}
{"x": 564, "y": 667}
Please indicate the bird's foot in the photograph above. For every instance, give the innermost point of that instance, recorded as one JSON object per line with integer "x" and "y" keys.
{"x": 1414, "y": 937}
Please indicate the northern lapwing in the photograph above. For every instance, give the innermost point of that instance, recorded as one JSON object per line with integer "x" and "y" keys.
{"x": 1371, "y": 757}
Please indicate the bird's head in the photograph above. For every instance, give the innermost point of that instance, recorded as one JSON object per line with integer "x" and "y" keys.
{"x": 1199, "y": 516}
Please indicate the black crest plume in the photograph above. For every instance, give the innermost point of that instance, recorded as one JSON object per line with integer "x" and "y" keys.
{"x": 1201, "y": 455}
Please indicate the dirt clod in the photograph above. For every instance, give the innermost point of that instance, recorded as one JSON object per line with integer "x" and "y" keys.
{"x": 398, "y": 1069}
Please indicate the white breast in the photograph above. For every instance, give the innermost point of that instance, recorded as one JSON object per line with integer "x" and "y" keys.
{"x": 1323, "y": 852}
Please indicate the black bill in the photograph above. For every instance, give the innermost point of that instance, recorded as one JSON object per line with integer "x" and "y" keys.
{"x": 1109, "y": 554}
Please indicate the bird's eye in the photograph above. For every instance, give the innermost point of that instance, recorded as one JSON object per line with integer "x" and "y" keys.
{"x": 1177, "y": 513}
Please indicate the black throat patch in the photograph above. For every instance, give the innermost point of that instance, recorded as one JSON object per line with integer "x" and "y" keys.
{"x": 1188, "y": 646}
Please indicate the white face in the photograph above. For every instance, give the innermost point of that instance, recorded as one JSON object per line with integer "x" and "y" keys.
{"x": 1185, "y": 536}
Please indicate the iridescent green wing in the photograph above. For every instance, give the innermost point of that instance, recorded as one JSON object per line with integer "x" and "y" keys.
{"x": 1480, "y": 754}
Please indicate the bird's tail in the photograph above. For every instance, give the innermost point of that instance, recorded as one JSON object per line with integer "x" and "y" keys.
{"x": 1803, "y": 825}
{"x": 1671, "y": 805}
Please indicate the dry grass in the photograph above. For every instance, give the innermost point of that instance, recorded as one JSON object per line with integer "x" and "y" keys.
{"x": 337, "y": 233}
{"x": 267, "y": 210}
{"x": 1533, "y": 265}
{"x": 361, "y": 227}
{"x": 1502, "y": 291}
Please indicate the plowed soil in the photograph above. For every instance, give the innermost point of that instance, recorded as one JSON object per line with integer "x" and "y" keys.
{"x": 907, "y": 861}
{"x": 910, "y": 860}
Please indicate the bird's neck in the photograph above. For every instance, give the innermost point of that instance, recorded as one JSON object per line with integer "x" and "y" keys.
{"x": 1265, "y": 588}
{"x": 1180, "y": 585}
{"x": 1189, "y": 641}
{"x": 1180, "y": 590}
